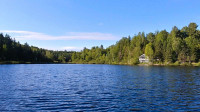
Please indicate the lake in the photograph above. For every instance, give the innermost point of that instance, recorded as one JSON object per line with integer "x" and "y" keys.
{"x": 78, "y": 87}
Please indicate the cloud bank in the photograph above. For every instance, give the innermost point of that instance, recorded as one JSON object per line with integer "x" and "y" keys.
{"x": 28, "y": 35}
{"x": 71, "y": 48}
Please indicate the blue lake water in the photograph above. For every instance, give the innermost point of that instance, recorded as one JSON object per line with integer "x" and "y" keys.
{"x": 78, "y": 87}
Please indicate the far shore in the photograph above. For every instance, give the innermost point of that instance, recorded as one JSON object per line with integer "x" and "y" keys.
{"x": 172, "y": 64}
{"x": 139, "y": 64}
{"x": 23, "y": 62}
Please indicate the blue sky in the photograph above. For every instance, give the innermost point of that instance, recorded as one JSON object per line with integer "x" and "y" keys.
{"x": 74, "y": 24}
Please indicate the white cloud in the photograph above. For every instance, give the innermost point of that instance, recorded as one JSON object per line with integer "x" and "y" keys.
{"x": 67, "y": 48}
{"x": 71, "y": 48}
{"x": 28, "y": 35}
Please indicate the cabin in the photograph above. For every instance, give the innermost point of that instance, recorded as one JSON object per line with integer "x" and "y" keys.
{"x": 143, "y": 59}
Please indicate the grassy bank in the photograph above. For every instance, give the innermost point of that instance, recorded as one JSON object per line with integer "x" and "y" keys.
{"x": 14, "y": 62}
{"x": 23, "y": 62}
{"x": 170, "y": 64}
{"x": 144, "y": 64}
{"x": 140, "y": 64}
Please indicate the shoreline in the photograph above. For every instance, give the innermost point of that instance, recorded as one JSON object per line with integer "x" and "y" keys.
{"x": 24, "y": 62}
{"x": 140, "y": 64}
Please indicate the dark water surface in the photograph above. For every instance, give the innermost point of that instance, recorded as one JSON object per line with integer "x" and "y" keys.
{"x": 69, "y": 87}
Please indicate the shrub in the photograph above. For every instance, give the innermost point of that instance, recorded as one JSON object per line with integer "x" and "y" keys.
{"x": 135, "y": 61}
{"x": 177, "y": 63}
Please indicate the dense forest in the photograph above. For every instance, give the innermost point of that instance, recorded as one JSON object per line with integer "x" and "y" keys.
{"x": 10, "y": 50}
{"x": 178, "y": 46}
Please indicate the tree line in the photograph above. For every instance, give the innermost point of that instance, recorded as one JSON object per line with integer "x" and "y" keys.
{"x": 176, "y": 46}
{"x": 10, "y": 50}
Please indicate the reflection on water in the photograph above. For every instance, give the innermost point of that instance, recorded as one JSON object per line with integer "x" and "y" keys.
{"x": 68, "y": 87}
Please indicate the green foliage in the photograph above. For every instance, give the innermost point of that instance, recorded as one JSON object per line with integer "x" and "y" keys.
{"x": 197, "y": 64}
{"x": 149, "y": 50}
{"x": 177, "y": 63}
{"x": 14, "y": 52}
{"x": 178, "y": 47}
{"x": 135, "y": 61}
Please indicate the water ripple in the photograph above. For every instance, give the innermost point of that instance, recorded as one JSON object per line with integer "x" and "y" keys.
{"x": 63, "y": 87}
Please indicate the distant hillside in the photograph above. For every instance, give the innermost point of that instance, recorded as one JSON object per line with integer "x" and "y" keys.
{"x": 178, "y": 46}
{"x": 10, "y": 50}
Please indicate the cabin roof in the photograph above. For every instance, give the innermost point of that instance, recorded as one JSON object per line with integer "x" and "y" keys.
{"x": 142, "y": 56}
